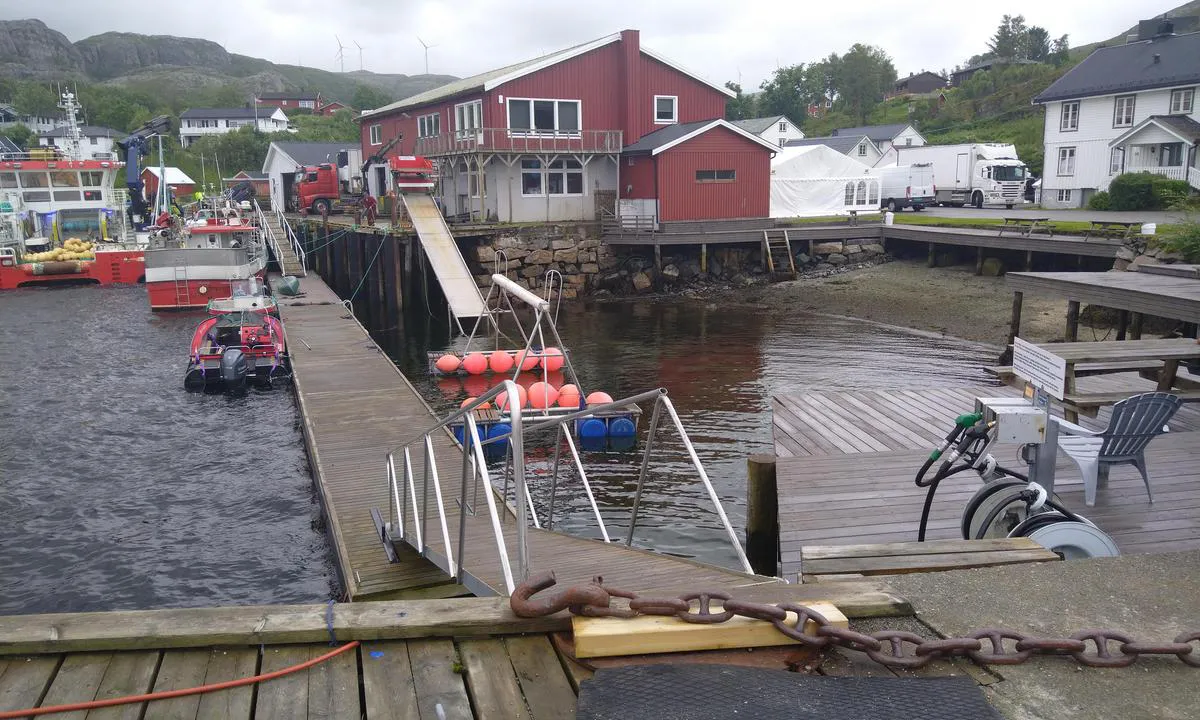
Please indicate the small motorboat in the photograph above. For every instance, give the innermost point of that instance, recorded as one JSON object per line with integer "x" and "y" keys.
{"x": 249, "y": 295}
{"x": 234, "y": 349}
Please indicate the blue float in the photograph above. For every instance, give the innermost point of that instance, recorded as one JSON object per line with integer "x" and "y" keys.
{"x": 593, "y": 428}
{"x": 497, "y": 430}
{"x": 621, "y": 427}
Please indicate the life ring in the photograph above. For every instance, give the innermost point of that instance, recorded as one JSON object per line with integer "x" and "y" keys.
{"x": 203, "y": 289}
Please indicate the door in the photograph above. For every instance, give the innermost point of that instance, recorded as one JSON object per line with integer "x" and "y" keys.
{"x": 381, "y": 187}
{"x": 962, "y": 172}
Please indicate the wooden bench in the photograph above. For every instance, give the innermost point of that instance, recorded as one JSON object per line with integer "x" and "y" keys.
{"x": 819, "y": 562}
{"x": 1004, "y": 373}
{"x": 1026, "y": 226}
{"x": 1093, "y": 401}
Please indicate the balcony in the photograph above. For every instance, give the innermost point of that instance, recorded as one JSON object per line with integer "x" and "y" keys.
{"x": 518, "y": 142}
{"x": 1175, "y": 172}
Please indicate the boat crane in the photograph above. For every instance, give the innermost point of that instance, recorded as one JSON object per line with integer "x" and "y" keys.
{"x": 136, "y": 146}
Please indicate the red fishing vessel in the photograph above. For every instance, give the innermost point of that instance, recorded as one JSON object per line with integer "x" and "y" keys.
{"x": 228, "y": 351}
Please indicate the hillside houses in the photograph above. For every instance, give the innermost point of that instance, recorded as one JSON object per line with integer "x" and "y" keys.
{"x": 195, "y": 123}
{"x": 859, "y": 147}
{"x": 606, "y": 126}
{"x": 778, "y": 129}
{"x": 1126, "y": 108}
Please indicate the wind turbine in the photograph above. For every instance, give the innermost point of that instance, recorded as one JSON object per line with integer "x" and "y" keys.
{"x": 360, "y": 61}
{"x": 341, "y": 53}
{"x": 426, "y": 46}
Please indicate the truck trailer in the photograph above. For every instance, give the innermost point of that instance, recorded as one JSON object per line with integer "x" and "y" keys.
{"x": 971, "y": 173}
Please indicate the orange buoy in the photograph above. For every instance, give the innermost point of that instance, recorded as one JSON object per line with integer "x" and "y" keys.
{"x": 599, "y": 398}
{"x": 502, "y": 399}
{"x": 447, "y": 363}
{"x": 500, "y": 361}
{"x": 475, "y": 363}
{"x": 568, "y": 399}
{"x": 528, "y": 360}
{"x": 470, "y": 400}
{"x": 568, "y": 389}
{"x": 552, "y": 359}
{"x": 542, "y": 395}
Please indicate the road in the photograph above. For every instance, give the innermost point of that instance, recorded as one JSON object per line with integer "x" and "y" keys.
{"x": 1160, "y": 217}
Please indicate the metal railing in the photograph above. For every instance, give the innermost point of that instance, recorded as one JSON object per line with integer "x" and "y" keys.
{"x": 267, "y": 232}
{"x": 504, "y": 140}
{"x": 297, "y": 246}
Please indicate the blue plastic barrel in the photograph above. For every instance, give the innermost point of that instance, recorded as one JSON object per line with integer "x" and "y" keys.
{"x": 621, "y": 427}
{"x": 593, "y": 428}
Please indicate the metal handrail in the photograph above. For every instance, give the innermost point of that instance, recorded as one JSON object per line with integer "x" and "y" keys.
{"x": 297, "y": 246}
{"x": 267, "y": 232}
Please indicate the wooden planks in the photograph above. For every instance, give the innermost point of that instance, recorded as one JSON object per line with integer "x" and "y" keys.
{"x": 1147, "y": 293}
{"x": 25, "y": 681}
{"x": 287, "y": 696}
{"x": 495, "y": 693}
{"x": 128, "y": 673}
{"x": 906, "y": 557}
{"x": 179, "y": 669}
{"x": 388, "y": 685}
{"x": 545, "y": 684}
{"x": 436, "y": 673}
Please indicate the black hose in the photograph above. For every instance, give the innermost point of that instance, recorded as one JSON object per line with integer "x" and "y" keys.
{"x": 933, "y": 485}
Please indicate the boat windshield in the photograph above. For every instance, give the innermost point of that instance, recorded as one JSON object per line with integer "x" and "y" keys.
{"x": 250, "y": 287}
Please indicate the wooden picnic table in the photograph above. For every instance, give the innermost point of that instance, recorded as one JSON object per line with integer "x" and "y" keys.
{"x": 1026, "y": 225}
{"x": 1121, "y": 356}
{"x": 1111, "y": 228}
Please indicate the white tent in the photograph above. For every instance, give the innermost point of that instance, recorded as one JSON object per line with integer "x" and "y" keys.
{"x": 816, "y": 180}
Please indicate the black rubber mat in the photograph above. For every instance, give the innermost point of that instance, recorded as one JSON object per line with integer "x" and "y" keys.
{"x": 718, "y": 692}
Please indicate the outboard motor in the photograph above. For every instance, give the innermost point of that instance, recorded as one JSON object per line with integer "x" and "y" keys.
{"x": 234, "y": 368}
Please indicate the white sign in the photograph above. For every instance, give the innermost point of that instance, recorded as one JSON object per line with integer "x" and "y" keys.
{"x": 1040, "y": 367}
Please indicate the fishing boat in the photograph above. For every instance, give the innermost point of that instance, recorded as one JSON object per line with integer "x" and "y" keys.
{"x": 249, "y": 295}
{"x": 191, "y": 262}
{"x": 53, "y": 202}
{"x": 231, "y": 350}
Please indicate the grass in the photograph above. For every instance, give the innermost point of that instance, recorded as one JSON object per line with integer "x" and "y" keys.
{"x": 1062, "y": 227}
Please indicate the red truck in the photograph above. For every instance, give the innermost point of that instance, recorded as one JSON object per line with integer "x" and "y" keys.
{"x": 321, "y": 189}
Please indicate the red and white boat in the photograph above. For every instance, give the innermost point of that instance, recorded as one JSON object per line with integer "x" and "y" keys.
{"x": 232, "y": 349}
{"x": 51, "y": 195}
{"x": 188, "y": 266}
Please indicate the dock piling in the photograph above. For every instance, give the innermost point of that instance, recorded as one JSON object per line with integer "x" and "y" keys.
{"x": 762, "y": 515}
{"x": 1072, "y": 320}
{"x": 1014, "y": 327}
{"x": 979, "y": 261}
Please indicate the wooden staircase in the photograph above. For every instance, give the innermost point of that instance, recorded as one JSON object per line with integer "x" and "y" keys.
{"x": 777, "y": 251}
{"x": 289, "y": 263}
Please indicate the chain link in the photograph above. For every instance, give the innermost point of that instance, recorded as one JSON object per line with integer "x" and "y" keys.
{"x": 993, "y": 646}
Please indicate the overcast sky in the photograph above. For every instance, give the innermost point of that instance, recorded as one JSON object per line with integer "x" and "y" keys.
{"x": 718, "y": 39}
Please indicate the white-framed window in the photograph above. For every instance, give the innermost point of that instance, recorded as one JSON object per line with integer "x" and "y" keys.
{"x": 782, "y": 126}
{"x": 1068, "y": 121}
{"x": 376, "y": 134}
{"x": 476, "y": 181}
{"x": 1116, "y": 160}
{"x": 907, "y": 142}
{"x": 310, "y": 104}
{"x": 849, "y": 193}
{"x": 714, "y": 176}
{"x": 94, "y": 140}
{"x": 1064, "y": 195}
{"x": 666, "y": 109}
{"x": 531, "y": 177}
{"x": 782, "y": 141}
{"x": 1066, "y": 161}
{"x": 429, "y": 125}
{"x": 1123, "y": 110}
{"x": 862, "y": 149}
{"x": 468, "y": 116}
{"x": 1182, "y": 101}
{"x": 564, "y": 177}
{"x": 532, "y": 115}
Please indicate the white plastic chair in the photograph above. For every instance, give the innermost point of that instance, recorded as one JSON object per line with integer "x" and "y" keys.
{"x": 1135, "y": 422}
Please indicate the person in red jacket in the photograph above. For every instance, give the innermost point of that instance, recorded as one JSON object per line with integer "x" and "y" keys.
{"x": 369, "y": 204}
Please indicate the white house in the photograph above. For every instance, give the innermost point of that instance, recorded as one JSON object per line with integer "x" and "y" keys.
{"x": 9, "y": 116}
{"x": 97, "y": 143}
{"x": 1126, "y": 108}
{"x": 777, "y": 129}
{"x": 195, "y": 123}
{"x": 283, "y": 158}
{"x": 859, "y": 147}
{"x": 885, "y": 136}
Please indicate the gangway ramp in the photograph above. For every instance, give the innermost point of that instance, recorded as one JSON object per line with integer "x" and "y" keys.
{"x": 449, "y": 266}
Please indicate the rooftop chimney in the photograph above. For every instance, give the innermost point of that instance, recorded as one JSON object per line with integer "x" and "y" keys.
{"x": 1165, "y": 27}
{"x": 1157, "y": 58}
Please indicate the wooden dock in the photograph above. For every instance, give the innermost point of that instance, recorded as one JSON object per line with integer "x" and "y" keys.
{"x": 847, "y": 462}
{"x": 1169, "y": 291}
{"x": 356, "y": 408}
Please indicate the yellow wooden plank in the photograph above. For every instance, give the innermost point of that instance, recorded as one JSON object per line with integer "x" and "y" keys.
{"x": 649, "y": 634}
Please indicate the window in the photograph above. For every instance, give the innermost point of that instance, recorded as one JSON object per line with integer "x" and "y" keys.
{"x": 564, "y": 177}
{"x": 666, "y": 109}
{"x": 1066, "y": 161}
{"x": 907, "y": 142}
{"x": 376, "y": 134}
{"x": 310, "y": 104}
{"x": 849, "y": 193}
{"x": 860, "y": 194}
{"x": 95, "y": 141}
{"x": 64, "y": 178}
{"x": 429, "y": 125}
{"x": 8, "y": 180}
{"x": 467, "y": 117}
{"x": 531, "y": 177}
{"x": 1123, "y": 110}
{"x": 1116, "y": 160}
{"x": 782, "y": 141}
{"x": 862, "y": 149}
{"x": 1182, "y": 101}
{"x": 476, "y": 181}
{"x": 92, "y": 178}
{"x": 873, "y": 194}
{"x": 782, "y": 127}
{"x": 1068, "y": 121}
{"x": 560, "y": 116}
{"x": 1064, "y": 196}
{"x": 710, "y": 176}
{"x": 34, "y": 180}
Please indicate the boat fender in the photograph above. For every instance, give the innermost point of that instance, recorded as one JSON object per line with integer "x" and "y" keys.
{"x": 233, "y": 367}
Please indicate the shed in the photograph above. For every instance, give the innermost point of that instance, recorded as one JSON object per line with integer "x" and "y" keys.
{"x": 816, "y": 180}
{"x": 704, "y": 170}
{"x": 177, "y": 180}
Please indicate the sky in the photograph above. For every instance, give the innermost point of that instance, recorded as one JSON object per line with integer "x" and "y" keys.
{"x": 716, "y": 39}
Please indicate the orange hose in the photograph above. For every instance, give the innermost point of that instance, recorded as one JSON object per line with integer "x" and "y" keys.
{"x": 166, "y": 694}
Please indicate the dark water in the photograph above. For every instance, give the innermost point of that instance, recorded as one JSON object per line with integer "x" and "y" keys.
{"x": 120, "y": 490}
{"x": 720, "y": 364}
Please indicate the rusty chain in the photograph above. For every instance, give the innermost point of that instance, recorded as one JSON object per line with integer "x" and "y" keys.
{"x": 994, "y": 646}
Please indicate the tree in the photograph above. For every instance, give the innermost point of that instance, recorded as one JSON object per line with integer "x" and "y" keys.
{"x": 862, "y": 77}
{"x": 1036, "y": 44}
{"x": 35, "y": 99}
{"x": 1006, "y": 43}
{"x": 741, "y": 106}
{"x": 21, "y": 135}
{"x": 1060, "y": 51}
{"x": 339, "y": 127}
{"x": 367, "y": 97}
{"x": 785, "y": 93}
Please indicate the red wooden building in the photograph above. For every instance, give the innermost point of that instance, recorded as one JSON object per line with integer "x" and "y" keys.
{"x": 180, "y": 184}
{"x": 563, "y": 136}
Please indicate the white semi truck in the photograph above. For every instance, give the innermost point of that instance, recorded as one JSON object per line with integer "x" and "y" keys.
{"x": 971, "y": 173}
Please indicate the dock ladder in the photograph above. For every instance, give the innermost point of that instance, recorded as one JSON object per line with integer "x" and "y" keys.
{"x": 777, "y": 251}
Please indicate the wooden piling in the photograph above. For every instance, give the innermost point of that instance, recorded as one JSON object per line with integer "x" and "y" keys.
{"x": 397, "y": 292}
{"x": 1122, "y": 324}
{"x": 704, "y": 257}
{"x": 762, "y": 515}
{"x": 1135, "y": 326}
{"x": 1028, "y": 260}
{"x": 932, "y": 259}
{"x": 658, "y": 257}
{"x": 1072, "y": 320}
{"x": 979, "y": 261}
{"x": 1014, "y": 327}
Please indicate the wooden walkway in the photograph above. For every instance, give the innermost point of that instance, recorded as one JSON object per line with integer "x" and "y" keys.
{"x": 1166, "y": 292}
{"x": 357, "y": 407}
{"x": 848, "y": 459}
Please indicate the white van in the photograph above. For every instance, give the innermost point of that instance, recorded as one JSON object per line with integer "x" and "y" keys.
{"x": 904, "y": 186}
